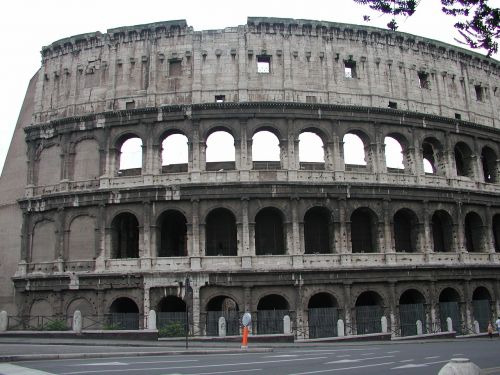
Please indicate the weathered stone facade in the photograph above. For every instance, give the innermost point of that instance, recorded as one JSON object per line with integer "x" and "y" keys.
{"x": 250, "y": 235}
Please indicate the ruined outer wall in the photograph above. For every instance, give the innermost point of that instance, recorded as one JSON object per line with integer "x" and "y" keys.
{"x": 96, "y": 72}
{"x": 12, "y": 183}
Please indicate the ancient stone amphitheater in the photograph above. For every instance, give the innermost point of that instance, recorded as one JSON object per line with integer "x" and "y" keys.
{"x": 86, "y": 226}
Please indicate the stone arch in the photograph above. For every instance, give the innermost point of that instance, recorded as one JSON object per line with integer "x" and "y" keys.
{"x": 311, "y": 149}
{"x": 124, "y": 313}
{"x": 412, "y": 309}
{"x": 271, "y": 309}
{"x": 490, "y": 165}
{"x": 125, "y": 236}
{"x": 450, "y": 306}
{"x": 474, "y": 233}
{"x": 322, "y": 315}
{"x": 222, "y": 306}
{"x": 41, "y": 308}
{"x": 442, "y": 231}
{"x": 220, "y": 152}
{"x": 396, "y": 151}
{"x": 87, "y": 160}
{"x": 317, "y": 231}
{"x": 464, "y": 162}
{"x": 355, "y": 148}
{"x": 432, "y": 151}
{"x": 129, "y": 153}
{"x": 221, "y": 233}
{"x": 266, "y": 148}
{"x": 86, "y": 309}
{"x": 406, "y": 231}
{"x": 171, "y": 304}
{"x": 82, "y": 235}
{"x": 172, "y": 234}
{"x": 174, "y": 151}
{"x": 482, "y": 308}
{"x": 43, "y": 243}
{"x": 364, "y": 231}
{"x": 369, "y": 309}
{"x": 269, "y": 232}
{"x": 49, "y": 165}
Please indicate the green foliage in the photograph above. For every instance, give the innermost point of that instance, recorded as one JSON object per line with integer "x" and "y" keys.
{"x": 175, "y": 329}
{"x": 55, "y": 325}
{"x": 111, "y": 326}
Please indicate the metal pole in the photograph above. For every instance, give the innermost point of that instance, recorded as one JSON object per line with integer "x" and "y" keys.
{"x": 187, "y": 324}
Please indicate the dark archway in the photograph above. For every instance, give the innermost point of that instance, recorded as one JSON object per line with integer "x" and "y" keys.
{"x": 481, "y": 307}
{"x": 124, "y": 314}
{"x": 442, "y": 231}
{"x": 271, "y": 310}
{"x": 411, "y": 310}
{"x": 171, "y": 317}
{"x": 317, "y": 231}
{"x": 474, "y": 233}
{"x": 405, "y": 231}
{"x": 269, "y": 233}
{"x": 489, "y": 162}
{"x": 463, "y": 160}
{"x": 369, "y": 312}
{"x": 449, "y": 307}
{"x": 226, "y": 307}
{"x": 323, "y": 314}
{"x": 496, "y": 231}
{"x": 173, "y": 234}
{"x": 220, "y": 232}
{"x": 125, "y": 236}
{"x": 363, "y": 231}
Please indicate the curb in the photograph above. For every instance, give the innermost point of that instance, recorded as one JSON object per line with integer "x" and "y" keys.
{"x": 37, "y": 357}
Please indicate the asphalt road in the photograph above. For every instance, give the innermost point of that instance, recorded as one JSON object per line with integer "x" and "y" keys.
{"x": 371, "y": 358}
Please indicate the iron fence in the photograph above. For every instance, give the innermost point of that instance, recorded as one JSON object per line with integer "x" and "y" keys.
{"x": 450, "y": 310}
{"x": 323, "y": 322}
{"x": 368, "y": 319}
{"x": 409, "y": 314}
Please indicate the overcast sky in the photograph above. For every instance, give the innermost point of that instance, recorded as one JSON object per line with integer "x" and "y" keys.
{"x": 27, "y": 25}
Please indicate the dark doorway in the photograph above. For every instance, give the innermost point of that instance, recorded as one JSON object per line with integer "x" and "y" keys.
{"x": 323, "y": 315}
{"x": 317, "y": 231}
{"x": 269, "y": 235}
{"x": 270, "y": 313}
{"x": 173, "y": 234}
{"x": 125, "y": 236}
{"x": 363, "y": 231}
{"x": 221, "y": 233}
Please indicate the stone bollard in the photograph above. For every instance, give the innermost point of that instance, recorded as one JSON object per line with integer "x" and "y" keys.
{"x": 222, "y": 327}
{"x": 476, "y": 327}
{"x": 340, "y": 328}
{"x": 420, "y": 330}
{"x": 287, "y": 327}
{"x": 77, "y": 322}
{"x": 460, "y": 366}
{"x": 449, "y": 324}
{"x": 4, "y": 321}
{"x": 383, "y": 322}
{"x": 152, "y": 320}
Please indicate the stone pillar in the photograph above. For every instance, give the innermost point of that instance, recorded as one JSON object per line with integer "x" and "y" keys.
{"x": 384, "y": 325}
{"x": 348, "y": 309}
{"x": 285, "y": 154}
{"x": 393, "y": 305}
{"x": 449, "y": 324}
{"x": 245, "y": 155}
{"x": 4, "y": 321}
{"x": 237, "y": 154}
{"x": 146, "y": 250}
{"x": 388, "y": 238}
{"x": 152, "y": 320}
{"x": 193, "y": 147}
{"x": 196, "y": 309}
{"x": 468, "y": 304}
{"x": 489, "y": 239}
{"x": 340, "y": 328}
{"x": 245, "y": 229}
{"x": 420, "y": 330}
{"x": 458, "y": 231}
{"x": 426, "y": 232}
{"x": 195, "y": 240}
{"x": 287, "y": 326}
{"x": 222, "y": 327}
{"x": 146, "y": 306}
{"x": 295, "y": 243}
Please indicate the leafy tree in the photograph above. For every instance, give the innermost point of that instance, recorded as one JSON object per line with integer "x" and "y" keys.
{"x": 479, "y": 30}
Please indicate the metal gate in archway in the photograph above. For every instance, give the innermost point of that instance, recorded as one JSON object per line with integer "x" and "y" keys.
{"x": 450, "y": 310}
{"x": 232, "y": 322}
{"x": 323, "y": 322}
{"x": 126, "y": 321}
{"x": 409, "y": 314}
{"x": 482, "y": 313}
{"x": 270, "y": 321}
{"x": 173, "y": 323}
{"x": 368, "y": 319}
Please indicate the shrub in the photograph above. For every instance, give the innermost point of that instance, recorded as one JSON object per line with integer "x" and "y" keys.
{"x": 55, "y": 325}
{"x": 175, "y": 329}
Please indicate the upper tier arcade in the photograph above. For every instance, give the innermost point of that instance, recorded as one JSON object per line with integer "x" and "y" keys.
{"x": 268, "y": 59}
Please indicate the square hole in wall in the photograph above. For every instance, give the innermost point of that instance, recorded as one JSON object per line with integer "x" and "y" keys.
{"x": 393, "y": 105}
{"x": 220, "y": 98}
{"x": 458, "y": 116}
{"x": 479, "y": 93}
{"x": 174, "y": 68}
{"x": 423, "y": 80}
{"x": 350, "y": 69}
{"x": 263, "y": 64}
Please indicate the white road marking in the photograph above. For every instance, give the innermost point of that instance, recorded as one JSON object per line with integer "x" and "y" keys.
{"x": 368, "y": 354}
{"x": 343, "y": 368}
{"x": 343, "y": 356}
{"x": 333, "y": 350}
{"x": 418, "y": 365}
{"x": 103, "y": 364}
{"x": 8, "y": 369}
{"x": 132, "y": 363}
{"x": 394, "y": 351}
{"x": 433, "y": 357}
{"x": 406, "y": 360}
{"x": 360, "y": 359}
{"x": 281, "y": 356}
{"x": 222, "y": 372}
{"x": 102, "y": 371}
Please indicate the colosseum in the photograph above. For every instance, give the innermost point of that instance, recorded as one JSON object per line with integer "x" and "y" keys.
{"x": 115, "y": 200}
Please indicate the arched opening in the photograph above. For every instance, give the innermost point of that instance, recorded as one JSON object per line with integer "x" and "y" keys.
{"x": 43, "y": 242}
{"x": 369, "y": 312}
{"x": 81, "y": 241}
{"x": 412, "y": 310}
{"x": 449, "y": 307}
{"x": 354, "y": 151}
{"x": 323, "y": 314}
{"x": 496, "y": 231}
{"x": 481, "y": 307}
{"x": 124, "y": 314}
{"x": 171, "y": 317}
{"x": 271, "y": 310}
{"x": 49, "y": 166}
{"x": 172, "y": 239}
{"x": 311, "y": 151}
{"x": 489, "y": 161}
{"x": 174, "y": 153}
{"x": 226, "y": 307}
{"x": 405, "y": 231}
{"x": 221, "y": 233}
{"x": 317, "y": 231}
{"x": 393, "y": 154}
{"x": 86, "y": 161}
{"x": 434, "y": 162}
{"x": 220, "y": 153}
{"x": 130, "y": 160}
{"x": 474, "y": 233}
{"x": 442, "y": 231}
{"x": 463, "y": 160}
{"x": 363, "y": 231}
{"x": 85, "y": 308}
{"x": 269, "y": 234}
{"x": 266, "y": 150}
{"x": 125, "y": 236}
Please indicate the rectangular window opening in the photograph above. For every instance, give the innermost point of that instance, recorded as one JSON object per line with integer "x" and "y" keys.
{"x": 263, "y": 64}
{"x": 350, "y": 69}
{"x": 174, "y": 68}
{"x": 220, "y": 98}
{"x": 423, "y": 80}
{"x": 479, "y": 93}
{"x": 393, "y": 105}
{"x": 130, "y": 105}
{"x": 458, "y": 116}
